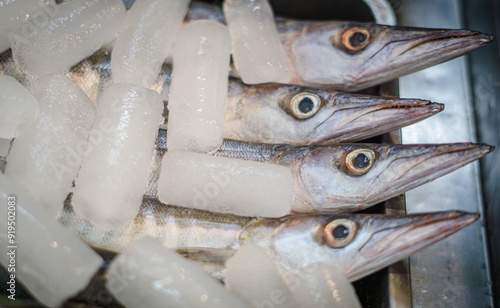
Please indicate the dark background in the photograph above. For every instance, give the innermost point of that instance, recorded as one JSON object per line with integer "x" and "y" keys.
{"x": 484, "y": 15}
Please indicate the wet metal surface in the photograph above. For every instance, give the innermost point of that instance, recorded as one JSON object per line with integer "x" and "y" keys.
{"x": 454, "y": 272}
{"x": 484, "y": 15}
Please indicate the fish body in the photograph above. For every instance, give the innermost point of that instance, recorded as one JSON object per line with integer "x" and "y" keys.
{"x": 352, "y": 56}
{"x": 373, "y": 241}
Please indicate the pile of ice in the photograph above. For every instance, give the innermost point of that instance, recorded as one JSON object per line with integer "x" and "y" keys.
{"x": 107, "y": 152}
{"x": 149, "y": 275}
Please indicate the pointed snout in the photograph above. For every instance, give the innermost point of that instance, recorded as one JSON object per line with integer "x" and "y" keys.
{"x": 361, "y": 117}
{"x": 393, "y": 242}
{"x": 430, "y": 46}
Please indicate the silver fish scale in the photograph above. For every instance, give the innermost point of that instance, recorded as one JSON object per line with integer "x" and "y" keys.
{"x": 186, "y": 228}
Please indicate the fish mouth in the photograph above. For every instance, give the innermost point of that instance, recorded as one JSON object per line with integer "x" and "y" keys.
{"x": 365, "y": 121}
{"x": 423, "y": 48}
{"x": 436, "y": 47}
{"x": 416, "y": 232}
{"x": 445, "y": 40}
{"x": 434, "y": 160}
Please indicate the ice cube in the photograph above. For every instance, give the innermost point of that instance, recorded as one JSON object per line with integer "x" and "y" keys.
{"x": 145, "y": 40}
{"x": 225, "y": 185}
{"x": 252, "y": 275}
{"x": 198, "y": 93}
{"x": 75, "y": 31}
{"x": 149, "y": 275}
{"x": 114, "y": 174}
{"x": 321, "y": 285}
{"x": 256, "y": 47}
{"x": 46, "y": 157}
{"x": 18, "y": 107}
{"x": 13, "y": 13}
{"x": 50, "y": 261}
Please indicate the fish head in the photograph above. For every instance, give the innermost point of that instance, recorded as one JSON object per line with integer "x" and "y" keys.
{"x": 350, "y": 177}
{"x": 359, "y": 244}
{"x": 298, "y": 115}
{"x": 355, "y": 56}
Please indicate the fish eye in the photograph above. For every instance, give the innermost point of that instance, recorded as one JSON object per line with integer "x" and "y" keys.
{"x": 340, "y": 232}
{"x": 355, "y": 39}
{"x": 359, "y": 161}
{"x": 305, "y": 105}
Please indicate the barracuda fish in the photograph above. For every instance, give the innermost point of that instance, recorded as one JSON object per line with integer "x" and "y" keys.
{"x": 344, "y": 178}
{"x": 360, "y": 244}
{"x": 273, "y": 113}
{"x": 351, "y": 56}
{"x": 298, "y": 115}
{"x": 350, "y": 177}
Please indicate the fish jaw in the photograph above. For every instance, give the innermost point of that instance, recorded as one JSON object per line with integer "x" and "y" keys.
{"x": 423, "y": 48}
{"x": 359, "y": 117}
{"x": 390, "y": 245}
{"x": 324, "y": 183}
{"x": 427, "y": 164}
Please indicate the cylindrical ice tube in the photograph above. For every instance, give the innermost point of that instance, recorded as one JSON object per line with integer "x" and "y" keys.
{"x": 76, "y": 30}
{"x": 145, "y": 40}
{"x": 323, "y": 286}
{"x": 46, "y": 157}
{"x": 149, "y": 275}
{"x": 18, "y": 107}
{"x": 113, "y": 176}
{"x": 226, "y": 185}
{"x": 198, "y": 93}
{"x": 36, "y": 250}
{"x": 13, "y": 13}
{"x": 253, "y": 276}
{"x": 256, "y": 47}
